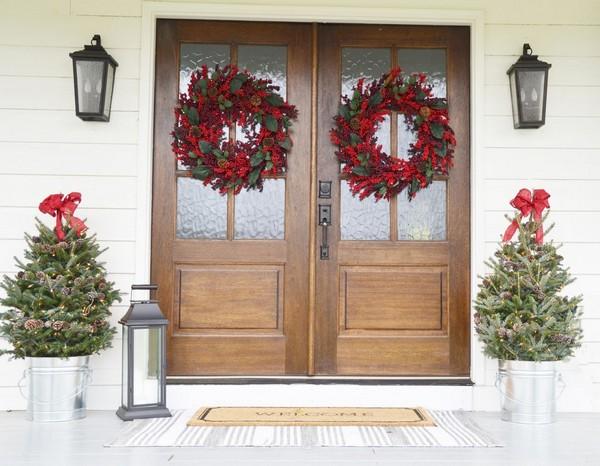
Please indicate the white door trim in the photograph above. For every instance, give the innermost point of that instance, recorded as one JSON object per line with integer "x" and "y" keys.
{"x": 151, "y": 11}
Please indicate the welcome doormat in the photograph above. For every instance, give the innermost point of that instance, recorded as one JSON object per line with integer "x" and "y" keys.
{"x": 452, "y": 429}
{"x": 260, "y": 416}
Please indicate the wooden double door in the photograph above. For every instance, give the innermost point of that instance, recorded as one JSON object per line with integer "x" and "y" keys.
{"x": 242, "y": 279}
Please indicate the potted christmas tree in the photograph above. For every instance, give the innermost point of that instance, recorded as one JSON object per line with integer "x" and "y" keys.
{"x": 523, "y": 319}
{"x": 56, "y": 311}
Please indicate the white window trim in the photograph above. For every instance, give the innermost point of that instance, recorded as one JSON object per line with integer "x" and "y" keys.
{"x": 151, "y": 11}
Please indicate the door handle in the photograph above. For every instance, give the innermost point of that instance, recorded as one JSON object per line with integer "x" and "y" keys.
{"x": 324, "y": 222}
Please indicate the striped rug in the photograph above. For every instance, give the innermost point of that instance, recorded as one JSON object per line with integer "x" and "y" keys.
{"x": 453, "y": 429}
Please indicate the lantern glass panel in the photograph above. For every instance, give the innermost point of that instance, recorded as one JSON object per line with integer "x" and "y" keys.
{"x": 89, "y": 85}
{"x": 124, "y": 367}
{"x": 531, "y": 94}
{"x": 109, "y": 89}
{"x": 146, "y": 366}
{"x": 513, "y": 95}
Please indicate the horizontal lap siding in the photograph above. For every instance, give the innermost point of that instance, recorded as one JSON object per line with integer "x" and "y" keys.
{"x": 44, "y": 148}
{"x": 563, "y": 157}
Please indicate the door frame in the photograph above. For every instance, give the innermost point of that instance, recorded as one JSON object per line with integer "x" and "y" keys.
{"x": 474, "y": 19}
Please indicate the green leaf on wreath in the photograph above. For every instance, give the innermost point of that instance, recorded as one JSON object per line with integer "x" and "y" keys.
{"x": 228, "y": 104}
{"x": 402, "y": 89}
{"x": 418, "y": 120}
{"x": 192, "y": 155}
{"x": 360, "y": 170}
{"x": 439, "y": 104}
{"x": 201, "y": 172}
{"x": 256, "y": 159}
{"x": 441, "y": 151}
{"x": 192, "y": 114}
{"x": 414, "y": 186}
{"x": 253, "y": 177}
{"x": 363, "y": 157}
{"x": 274, "y": 99}
{"x": 241, "y": 77}
{"x": 205, "y": 147}
{"x": 268, "y": 165}
{"x": 201, "y": 84}
{"x": 344, "y": 112}
{"x": 355, "y": 139}
{"x": 375, "y": 99}
{"x": 437, "y": 130}
{"x": 271, "y": 123}
{"x": 383, "y": 190}
{"x": 286, "y": 143}
{"x": 220, "y": 154}
{"x": 235, "y": 84}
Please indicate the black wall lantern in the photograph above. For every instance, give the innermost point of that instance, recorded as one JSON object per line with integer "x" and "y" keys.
{"x": 94, "y": 75}
{"x": 528, "y": 88}
{"x": 143, "y": 391}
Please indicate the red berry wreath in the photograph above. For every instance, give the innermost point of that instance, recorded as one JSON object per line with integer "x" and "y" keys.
{"x": 219, "y": 101}
{"x": 370, "y": 171}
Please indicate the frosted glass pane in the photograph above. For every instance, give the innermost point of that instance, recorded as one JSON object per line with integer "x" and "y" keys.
{"x": 363, "y": 220}
{"x": 89, "y": 85}
{"x": 361, "y": 62}
{"x": 424, "y": 217}
{"x": 109, "y": 89}
{"x": 261, "y": 215}
{"x": 406, "y": 137}
{"x": 531, "y": 90}
{"x": 201, "y": 211}
{"x": 193, "y": 56}
{"x": 432, "y": 62}
{"x": 266, "y": 62}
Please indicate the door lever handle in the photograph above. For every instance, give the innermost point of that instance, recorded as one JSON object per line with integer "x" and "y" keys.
{"x": 324, "y": 222}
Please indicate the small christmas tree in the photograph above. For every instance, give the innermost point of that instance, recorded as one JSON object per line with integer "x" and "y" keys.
{"x": 521, "y": 313}
{"x": 58, "y": 303}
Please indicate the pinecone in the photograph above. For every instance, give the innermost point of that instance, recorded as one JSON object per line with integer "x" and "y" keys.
{"x": 58, "y": 325}
{"x": 36, "y": 239}
{"x": 20, "y": 275}
{"x": 40, "y": 275}
{"x": 92, "y": 295}
{"x": 66, "y": 291}
{"x": 506, "y": 295}
{"x": 62, "y": 245}
{"x": 33, "y": 324}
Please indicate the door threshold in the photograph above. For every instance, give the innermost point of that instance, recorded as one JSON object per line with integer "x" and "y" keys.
{"x": 316, "y": 380}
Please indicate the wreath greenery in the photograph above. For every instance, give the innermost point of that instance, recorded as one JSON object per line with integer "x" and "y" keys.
{"x": 369, "y": 170}
{"x": 216, "y": 102}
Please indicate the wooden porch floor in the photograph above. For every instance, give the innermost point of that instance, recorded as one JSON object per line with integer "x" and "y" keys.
{"x": 572, "y": 441}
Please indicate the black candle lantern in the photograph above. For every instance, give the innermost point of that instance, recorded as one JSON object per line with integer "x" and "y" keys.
{"x": 528, "y": 89}
{"x": 143, "y": 392}
{"x": 94, "y": 76}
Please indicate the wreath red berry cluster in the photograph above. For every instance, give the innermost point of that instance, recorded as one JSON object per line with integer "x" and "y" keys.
{"x": 215, "y": 103}
{"x": 370, "y": 171}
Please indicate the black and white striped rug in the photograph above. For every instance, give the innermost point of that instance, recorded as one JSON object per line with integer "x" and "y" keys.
{"x": 453, "y": 429}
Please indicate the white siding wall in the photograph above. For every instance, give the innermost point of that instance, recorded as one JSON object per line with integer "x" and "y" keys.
{"x": 44, "y": 148}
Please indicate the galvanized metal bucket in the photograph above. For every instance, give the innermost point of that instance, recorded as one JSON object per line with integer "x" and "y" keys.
{"x": 56, "y": 388}
{"x": 528, "y": 391}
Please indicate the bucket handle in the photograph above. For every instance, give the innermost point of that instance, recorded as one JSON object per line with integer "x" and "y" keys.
{"x": 83, "y": 385}
{"x": 498, "y": 383}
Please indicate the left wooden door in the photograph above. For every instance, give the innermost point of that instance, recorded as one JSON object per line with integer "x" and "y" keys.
{"x": 232, "y": 270}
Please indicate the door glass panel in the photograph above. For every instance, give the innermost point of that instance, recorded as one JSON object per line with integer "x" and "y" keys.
{"x": 366, "y": 219}
{"x": 261, "y": 215}
{"x": 265, "y": 62}
{"x": 370, "y": 64}
{"x": 424, "y": 217}
{"x": 363, "y": 220}
{"x": 431, "y": 62}
{"x": 201, "y": 211}
{"x": 193, "y": 56}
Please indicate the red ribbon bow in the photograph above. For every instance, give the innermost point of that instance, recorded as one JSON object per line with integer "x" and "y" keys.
{"x": 59, "y": 206}
{"x": 525, "y": 202}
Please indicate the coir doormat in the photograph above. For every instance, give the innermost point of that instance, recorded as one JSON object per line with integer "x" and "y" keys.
{"x": 285, "y": 416}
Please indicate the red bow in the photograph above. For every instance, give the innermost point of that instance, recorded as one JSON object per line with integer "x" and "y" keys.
{"x": 525, "y": 203}
{"x": 57, "y": 206}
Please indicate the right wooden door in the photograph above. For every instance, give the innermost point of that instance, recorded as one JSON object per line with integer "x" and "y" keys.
{"x": 393, "y": 299}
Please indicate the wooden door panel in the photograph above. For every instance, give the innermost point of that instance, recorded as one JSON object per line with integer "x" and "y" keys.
{"x": 393, "y": 299}
{"x": 234, "y": 297}
{"x": 235, "y": 306}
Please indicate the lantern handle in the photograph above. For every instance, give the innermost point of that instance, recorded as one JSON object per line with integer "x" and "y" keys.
{"x": 150, "y": 287}
{"x": 527, "y": 50}
{"x": 97, "y": 39}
